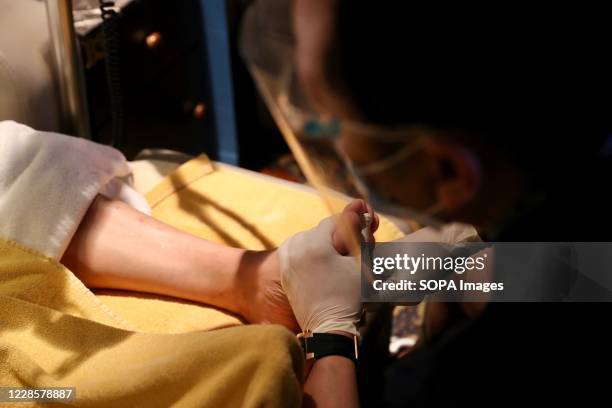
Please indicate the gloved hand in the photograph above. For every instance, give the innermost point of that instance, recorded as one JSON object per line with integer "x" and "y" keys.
{"x": 323, "y": 287}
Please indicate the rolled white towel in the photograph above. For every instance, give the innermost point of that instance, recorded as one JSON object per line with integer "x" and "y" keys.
{"x": 48, "y": 181}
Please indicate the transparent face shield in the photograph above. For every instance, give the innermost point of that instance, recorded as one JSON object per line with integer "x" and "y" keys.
{"x": 341, "y": 159}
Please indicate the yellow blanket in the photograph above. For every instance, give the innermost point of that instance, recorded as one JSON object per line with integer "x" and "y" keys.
{"x": 122, "y": 349}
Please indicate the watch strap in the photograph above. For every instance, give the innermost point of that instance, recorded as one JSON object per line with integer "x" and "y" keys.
{"x": 319, "y": 345}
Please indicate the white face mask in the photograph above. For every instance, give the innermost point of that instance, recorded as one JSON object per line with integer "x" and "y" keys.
{"x": 267, "y": 47}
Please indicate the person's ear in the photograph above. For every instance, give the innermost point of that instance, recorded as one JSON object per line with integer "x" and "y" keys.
{"x": 456, "y": 171}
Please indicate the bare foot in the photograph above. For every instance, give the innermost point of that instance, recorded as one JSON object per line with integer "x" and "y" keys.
{"x": 352, "y": 217}
{"x": 264, "y": 301}
{"x": 262, "y": 297}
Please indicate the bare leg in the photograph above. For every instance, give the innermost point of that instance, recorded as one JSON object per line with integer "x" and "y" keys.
{"x": 117, "y": 247}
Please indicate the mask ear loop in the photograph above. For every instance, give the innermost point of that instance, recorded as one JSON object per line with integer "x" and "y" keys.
{"x": 381, "y": 165}
{"x": 425, "y": 217}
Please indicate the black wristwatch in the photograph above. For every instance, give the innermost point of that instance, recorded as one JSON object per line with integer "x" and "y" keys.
{"x": 319, "y": 345}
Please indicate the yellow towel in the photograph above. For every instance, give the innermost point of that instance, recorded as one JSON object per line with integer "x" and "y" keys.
{"x": 240, "y": 208}
{"x": 54, "y": 332}
{"x": 133, "y": 350}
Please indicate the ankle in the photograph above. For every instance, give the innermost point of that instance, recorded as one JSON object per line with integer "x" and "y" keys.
{"x": 255, "y": 269}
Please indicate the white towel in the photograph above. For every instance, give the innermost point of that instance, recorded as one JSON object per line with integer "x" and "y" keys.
{"x": 48, "y": 181}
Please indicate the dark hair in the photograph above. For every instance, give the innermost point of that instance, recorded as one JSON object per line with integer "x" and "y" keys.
{"x": 533, "y": 81}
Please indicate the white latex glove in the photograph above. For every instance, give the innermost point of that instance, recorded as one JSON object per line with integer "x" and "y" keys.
{"x": 323, "y": 287}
